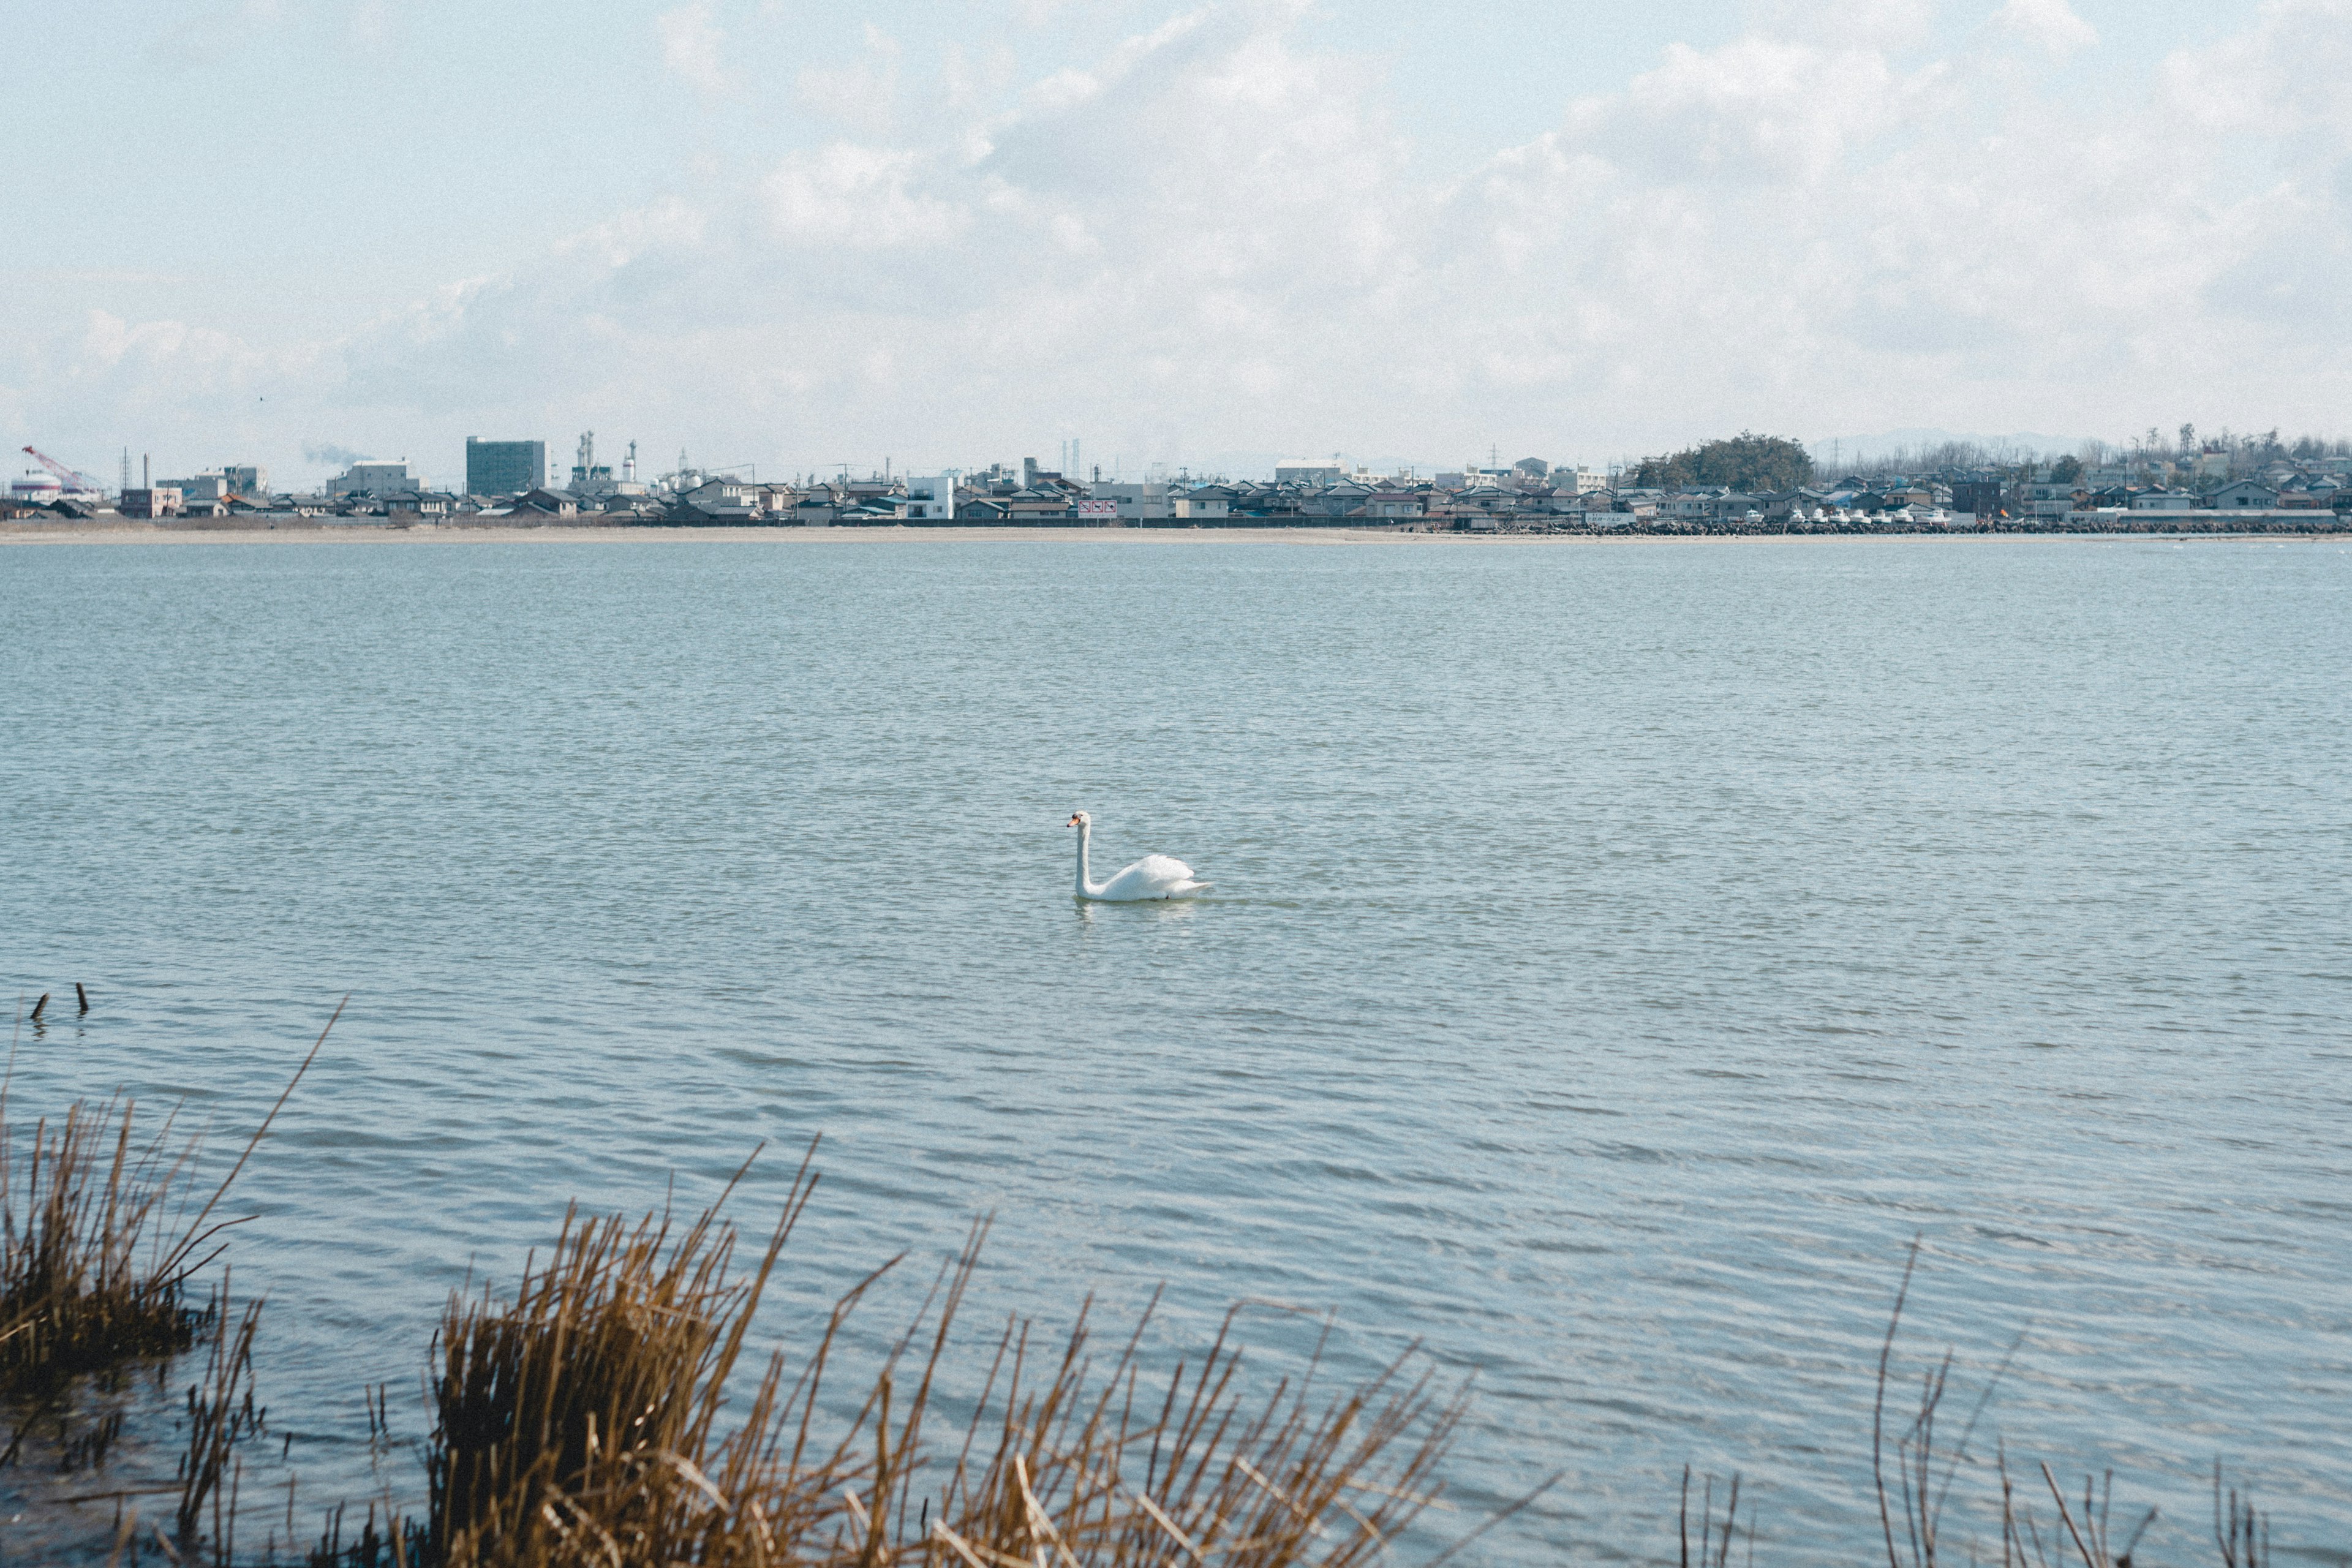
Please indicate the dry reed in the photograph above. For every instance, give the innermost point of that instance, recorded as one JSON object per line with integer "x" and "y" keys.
{"x": 221, "y": 1413}
{"x": 579, "y": 1423}
{"x": 89, "y": 1276}
{"x": 94, "y": 1260}
{"x": 2081, "y": 1534}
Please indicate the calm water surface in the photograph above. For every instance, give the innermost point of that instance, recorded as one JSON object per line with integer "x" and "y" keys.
{"x": 1619, "y": 953}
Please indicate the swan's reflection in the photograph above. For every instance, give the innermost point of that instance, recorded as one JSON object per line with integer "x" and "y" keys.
{"x": 1151, "y": 909}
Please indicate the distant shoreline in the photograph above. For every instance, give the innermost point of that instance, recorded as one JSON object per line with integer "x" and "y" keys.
{"x": 128, "y": 533}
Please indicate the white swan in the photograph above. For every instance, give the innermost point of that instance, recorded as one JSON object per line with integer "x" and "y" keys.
{"x": 1153, "y": 876}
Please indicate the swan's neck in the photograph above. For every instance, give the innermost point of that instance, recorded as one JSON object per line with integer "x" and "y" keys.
{"x": 1086, "y": 831}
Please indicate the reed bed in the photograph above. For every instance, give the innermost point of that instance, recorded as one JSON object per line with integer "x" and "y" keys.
{"x": 578, "y": 1423}
{"x": 92, "y": 1273}
{"x": 97, "y": 1249}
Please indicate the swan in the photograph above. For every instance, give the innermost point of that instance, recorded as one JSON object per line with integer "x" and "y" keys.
{"x": 1153, "y": 876}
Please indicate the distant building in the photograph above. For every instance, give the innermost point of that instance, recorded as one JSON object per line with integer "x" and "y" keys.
{"x": 931, "y": 499}
{"x": 536, "y": 503}
{"x": 210, "y": 485}
{"x": 504, "y": 467}
{"x": 36, "y": 489}
{"x": 2243, "y": 494}
{"x": 372, "y": 479}
{"x": 158, "y": 500}
{"x": 1976, "y": 498}
{"x": 1137, "y": 502}
{"x": 720, "y": 500}
{"x": 1304, "y": 473}
{"x": 1045, "y": 505}
{"x": 1205, "y": 503}
{"x": 423, "y": 503}
{"x": 229, "y": 482}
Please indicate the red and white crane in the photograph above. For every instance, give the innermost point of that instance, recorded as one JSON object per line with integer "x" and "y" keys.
{"x": 74, "y": 479}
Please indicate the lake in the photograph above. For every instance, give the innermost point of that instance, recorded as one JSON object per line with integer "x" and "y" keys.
{"x": 1619, "y": 953}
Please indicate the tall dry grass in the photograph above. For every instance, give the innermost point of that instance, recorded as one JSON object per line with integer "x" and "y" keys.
{"x": 580, "y": 1422}
{"x": 97, "y": 1248}
{"x": 89, "y": 1274}
{"x": 2077, "y": 1531}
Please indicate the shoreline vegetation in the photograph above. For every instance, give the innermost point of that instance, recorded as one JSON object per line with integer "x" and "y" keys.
{"x": 2301, "y": 526}
{"x": 593, "y": 1415}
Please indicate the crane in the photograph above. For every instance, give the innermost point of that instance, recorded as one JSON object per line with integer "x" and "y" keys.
{"x": 72, "y": 479}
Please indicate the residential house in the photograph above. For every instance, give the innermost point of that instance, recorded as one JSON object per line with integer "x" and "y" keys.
{"x": 1489, "y": 498}
{"x": 157, "y": 500}
{"x": 1342, "y": 500}
{"x": 1977, "y": 497}
{"x": 722, "y": 499}
{"x": 1144, "y": 503}
{"x": 1696, "y": 504}
{"x": 1042, "y": 506}
{"x": 2046, "y": 496}
{"x": 1205, "y": 503}
{"x": 538, "y": 505}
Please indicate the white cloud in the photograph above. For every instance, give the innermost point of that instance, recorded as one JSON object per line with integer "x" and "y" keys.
{"x": 855, "y": 197}
{"x": 2050, "y": 24}
{"x": 1224, "y": 242}
{"x": 863, "y": 92}
{"x": 693, "y": 48}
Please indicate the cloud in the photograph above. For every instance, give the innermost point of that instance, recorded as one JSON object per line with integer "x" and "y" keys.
{"x": 2050, "y": 24}
{"x": 693, "y": 48}
{"x": 861, "y": 93}
{"x": 1213, "y": 235}
{"x": 860, "y": 198}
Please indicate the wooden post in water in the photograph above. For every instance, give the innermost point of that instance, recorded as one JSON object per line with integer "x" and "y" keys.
{"x": 81, "y": 996}
{"x": 38, "y": 1005}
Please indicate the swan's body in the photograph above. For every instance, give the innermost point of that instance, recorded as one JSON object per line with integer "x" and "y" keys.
{"x": 1153, "y": 876}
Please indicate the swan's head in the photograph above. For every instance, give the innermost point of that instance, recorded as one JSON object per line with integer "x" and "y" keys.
{"x": 1079, "y": 819}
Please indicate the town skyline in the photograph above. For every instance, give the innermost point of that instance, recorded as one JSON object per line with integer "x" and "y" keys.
{"x": 1749, "y": 483}
{"x": 1924, "y": 447}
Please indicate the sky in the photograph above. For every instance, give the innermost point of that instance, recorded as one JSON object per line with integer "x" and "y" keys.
{"x": 1202, "y": 235}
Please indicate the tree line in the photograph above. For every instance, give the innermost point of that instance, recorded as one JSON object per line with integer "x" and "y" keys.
{"x": 1743, "y": 462}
